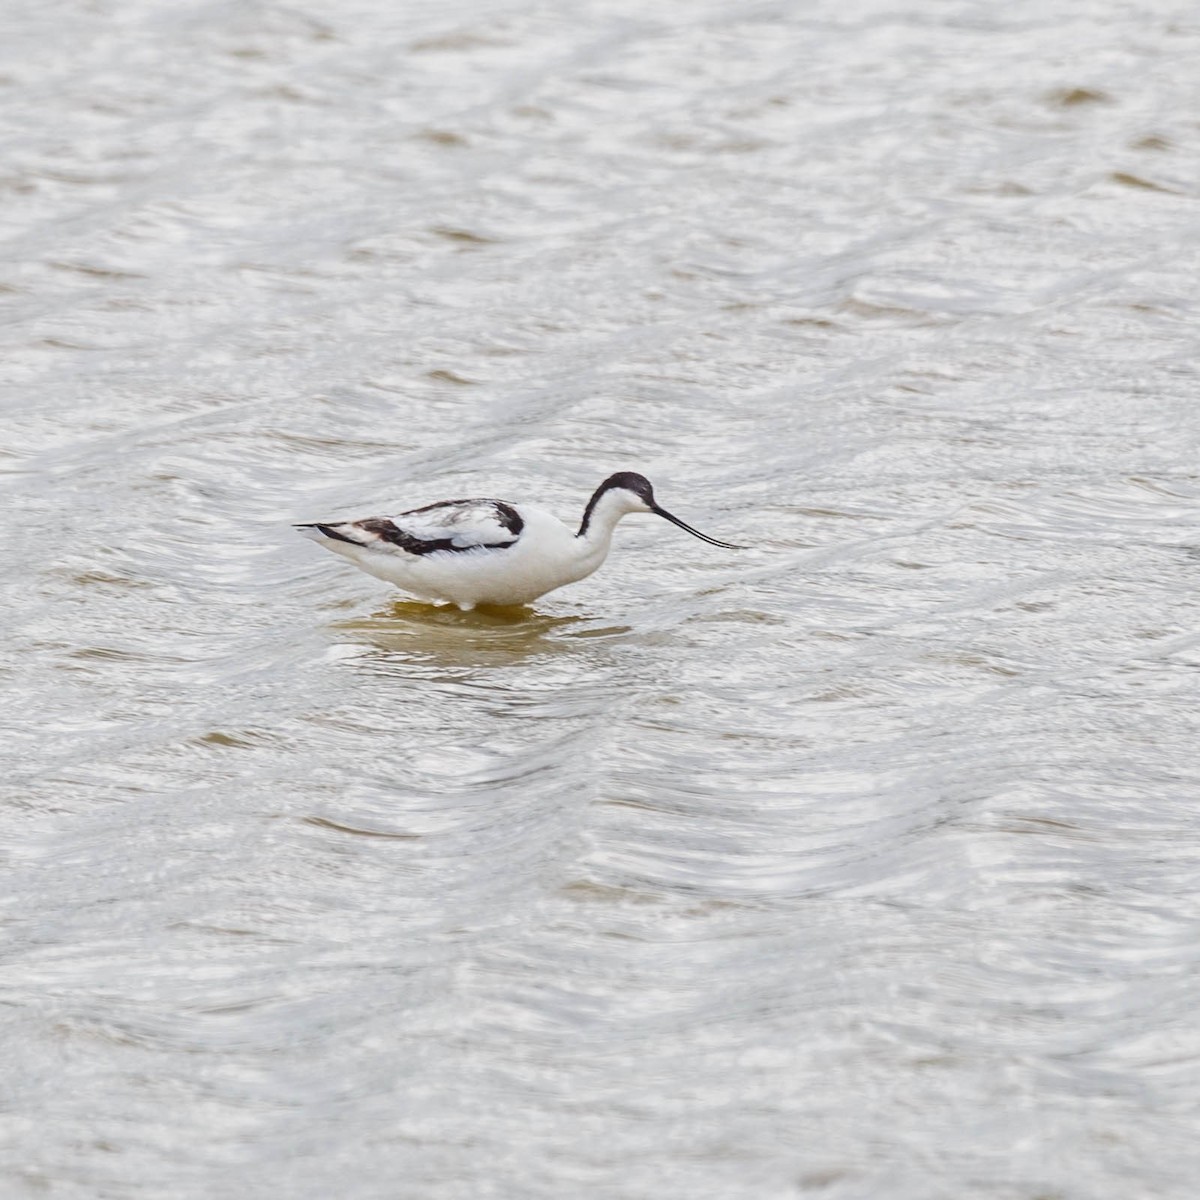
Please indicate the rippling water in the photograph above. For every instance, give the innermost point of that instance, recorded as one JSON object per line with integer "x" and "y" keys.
{"x": 864, "y": 863}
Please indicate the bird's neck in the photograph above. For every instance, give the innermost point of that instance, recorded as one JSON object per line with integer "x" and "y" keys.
{"x": 600, "y": 517}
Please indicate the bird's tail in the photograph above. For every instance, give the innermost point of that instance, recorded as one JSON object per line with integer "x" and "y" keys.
{"x": 334, "y": 532}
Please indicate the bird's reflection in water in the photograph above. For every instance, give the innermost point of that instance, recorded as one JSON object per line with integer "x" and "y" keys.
{"x": 414, "y": 632}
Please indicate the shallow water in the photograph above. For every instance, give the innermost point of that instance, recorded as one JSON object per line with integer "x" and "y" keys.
{"x": 863, "y": 863}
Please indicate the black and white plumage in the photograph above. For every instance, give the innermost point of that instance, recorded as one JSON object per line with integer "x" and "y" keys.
{"x": 453, "y": 526}
{"x": 471, "y": 552}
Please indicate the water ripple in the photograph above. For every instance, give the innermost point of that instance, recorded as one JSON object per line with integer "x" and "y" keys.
{"x": 858, "y": 863}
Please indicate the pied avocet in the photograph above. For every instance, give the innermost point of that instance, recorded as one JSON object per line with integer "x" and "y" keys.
{"x": 471, "y": 552}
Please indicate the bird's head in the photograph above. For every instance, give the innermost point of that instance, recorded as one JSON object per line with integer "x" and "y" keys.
{"x": 635, "y": 493}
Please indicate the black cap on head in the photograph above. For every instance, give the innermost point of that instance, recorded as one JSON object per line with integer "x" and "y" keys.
{"x": 631, "y": 481}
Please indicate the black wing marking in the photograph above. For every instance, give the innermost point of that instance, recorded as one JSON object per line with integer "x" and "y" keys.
{"x": 458, "y": 512}
{"x": 388, "y": 531}
{"x": 331, "y": 531}
{"x": 450, "y": 525}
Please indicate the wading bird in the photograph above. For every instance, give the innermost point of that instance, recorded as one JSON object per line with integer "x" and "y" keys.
{"x": 471, "y": 552}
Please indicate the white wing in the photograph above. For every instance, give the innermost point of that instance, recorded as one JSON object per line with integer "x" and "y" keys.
{"x": 452, "y": 525}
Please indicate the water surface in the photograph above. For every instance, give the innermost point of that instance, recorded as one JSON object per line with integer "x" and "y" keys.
{"x": 863, "y": 863}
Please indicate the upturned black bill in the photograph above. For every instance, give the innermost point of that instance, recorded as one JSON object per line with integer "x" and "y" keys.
{"x": 662, "y": 512}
